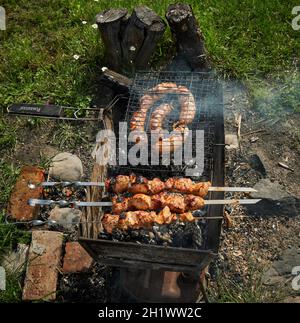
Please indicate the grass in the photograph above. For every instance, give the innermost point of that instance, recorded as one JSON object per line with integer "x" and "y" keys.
{"x": 251, "y": 40}
{"x": 244, "y": 39}
{"x": 67, "y": 135}
{"x": 250, "y": 290}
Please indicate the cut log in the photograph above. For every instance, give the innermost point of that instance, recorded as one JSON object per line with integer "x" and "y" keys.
{"x": 130, "y": 41}
{"x": 145, "y": 28}
{"x": 110, "y": 23}
{"x": 187, "y": 34}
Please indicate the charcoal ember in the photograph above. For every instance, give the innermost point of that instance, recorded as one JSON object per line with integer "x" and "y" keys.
{"x": 196, "y": 235}
{"x": 121, "y": 235}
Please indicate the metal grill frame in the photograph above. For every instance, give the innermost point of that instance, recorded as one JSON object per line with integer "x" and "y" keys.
{"x": 144, "y": 256}
{"x": 203, "y": 86}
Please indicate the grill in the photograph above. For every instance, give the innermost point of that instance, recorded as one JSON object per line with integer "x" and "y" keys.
{"x": 204, "y": 88}
{"x": 207, "y": 92}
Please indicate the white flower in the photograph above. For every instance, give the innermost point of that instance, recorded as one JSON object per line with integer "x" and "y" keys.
{"x": 96, "y": 0}
{"x": 95, "y": 26}
{"x": 76, "y": 57}
{"x": 84, "y": 22}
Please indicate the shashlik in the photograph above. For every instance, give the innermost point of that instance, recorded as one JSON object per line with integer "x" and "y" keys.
{"x": 138, "y": 184}
{"x": 176, "y": 202}
{"x": 142, "y": 219}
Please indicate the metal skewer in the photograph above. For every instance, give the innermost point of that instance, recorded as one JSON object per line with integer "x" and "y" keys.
{"x": 101, "y": 184}
{"x": 63, "y": 203}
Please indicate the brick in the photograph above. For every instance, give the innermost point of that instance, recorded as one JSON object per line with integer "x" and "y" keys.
{"x": 43, "y": 266}
{"x": 76, "y": 259}
{"x": 18, "y": 207}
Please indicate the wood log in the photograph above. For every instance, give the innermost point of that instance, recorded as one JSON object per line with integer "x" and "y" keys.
{"x": 118, "y": 82}
{"x": 144, "y": 30}
{"x": 130, "y": 41}
{"x": 188, "y": 36}
{"x": 110, "y": 23}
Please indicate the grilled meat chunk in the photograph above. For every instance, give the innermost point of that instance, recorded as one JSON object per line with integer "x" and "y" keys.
{"x": 135, "y": 185}
{"x": 142, "y": 219}
{"x": 176, "y": 202}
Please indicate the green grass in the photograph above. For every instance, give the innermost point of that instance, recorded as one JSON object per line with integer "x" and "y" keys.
{"x": 13, "y": 291}
{"x": 249, "y": 290}
{"x": 244, "y": 39}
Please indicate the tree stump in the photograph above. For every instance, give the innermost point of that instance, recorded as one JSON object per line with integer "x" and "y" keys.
{"x": 187, "y": 34}
{"x": 109, "y": 23}
{"x": 130, "y": 41}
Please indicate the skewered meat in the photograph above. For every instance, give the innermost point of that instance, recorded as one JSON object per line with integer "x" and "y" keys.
{"x": 142, "y": 219}
{"x": 135, "y": 185}
{"x": 176, "y": 202}
{"x": 186, "y": 185}
{"x": 110, "y": 222}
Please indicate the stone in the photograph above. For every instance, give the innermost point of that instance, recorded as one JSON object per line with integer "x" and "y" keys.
{"x": 43, "y": 265}
{"x": 269, "y": 190}
{"x": 15, "y": 261}
{"x": 66, "y": 167}
{"x": 257, "y": 164}
{"x": 76, "y": 259}
{"x": 65, "y": 217}
{"x": 18, "y": 207}
{"x": 231, "y": 141}
{"x": 275, "y": 200}
{"x": 281, "y": 270}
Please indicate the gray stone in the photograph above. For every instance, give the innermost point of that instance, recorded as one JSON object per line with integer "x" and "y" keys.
{"x": 231, "y": 141}
{"x": 65, "y": 217}
{"x": 269, "y": 190}
{"x": 66, "y": 167}
{"x": 15, "y": 261}
{"x": 281, "y": 270}
{"x": 290, "y": 258}
{"x": 257, "y": 163}
{"x": 275, "y": 200}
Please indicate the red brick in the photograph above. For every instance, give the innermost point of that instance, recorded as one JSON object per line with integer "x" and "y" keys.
{"x": 18, "y": 207}
{"x": 76, "y": 259}
{"x": 43, "y": 265}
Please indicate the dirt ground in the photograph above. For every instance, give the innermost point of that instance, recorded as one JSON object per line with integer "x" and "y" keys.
{"x": 253, "y": 243}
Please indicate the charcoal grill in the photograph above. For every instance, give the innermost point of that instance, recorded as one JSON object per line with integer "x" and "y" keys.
{"x": 207, "y": 91}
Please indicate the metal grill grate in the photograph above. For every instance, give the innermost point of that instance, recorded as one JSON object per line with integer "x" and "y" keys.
{"x": 204, "y": 88}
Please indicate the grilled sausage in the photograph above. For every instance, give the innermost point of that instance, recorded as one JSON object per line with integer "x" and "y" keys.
{"x": 171, "y": 143}
{"x": 158, "y": 115}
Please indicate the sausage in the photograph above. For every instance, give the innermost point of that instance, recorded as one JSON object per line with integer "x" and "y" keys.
{"x": 139, "y": 117}
{"x": 188, "y": 106}
{"x": 158, "y": 115}
{"x": 174, "y": 141}
{"x": 187, "y": 114}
